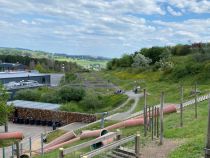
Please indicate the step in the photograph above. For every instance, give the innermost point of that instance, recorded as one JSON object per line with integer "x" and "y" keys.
{"x": 126, "y": 151}
{"x": 123, "y": 155}
{"x": 111, "y": 155}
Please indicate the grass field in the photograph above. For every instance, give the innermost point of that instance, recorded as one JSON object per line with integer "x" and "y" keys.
{"x": 84, "y": 62}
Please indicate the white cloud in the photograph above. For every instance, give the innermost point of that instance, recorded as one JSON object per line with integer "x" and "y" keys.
{"x": 195, "y": 6}
{"x": 24, "y": 21}
{"x": 112, "y": 25}
{"x": 173, "y": 12}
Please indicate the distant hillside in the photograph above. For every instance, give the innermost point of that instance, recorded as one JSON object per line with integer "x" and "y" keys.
{"x": 87, "y": 61}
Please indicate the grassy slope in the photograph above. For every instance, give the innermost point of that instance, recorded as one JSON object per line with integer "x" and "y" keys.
{"x": 193, "y": 131}
{"x": 155, "y": 82}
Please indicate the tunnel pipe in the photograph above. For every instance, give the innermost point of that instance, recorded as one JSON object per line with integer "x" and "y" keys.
{"x": 61, "y": 144}
{"x": 11, "y": 135}
{"x": 93, "y": 134}
{"x": 102, "y": 143}
{"x": 166, "y": 110}
{"x": 97, "y": 133}
{"x": 67, "y": 136}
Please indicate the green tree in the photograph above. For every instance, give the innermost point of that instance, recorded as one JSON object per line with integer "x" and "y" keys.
{"x": 126, "y": 61}
{"x": 140, "y": 61}
{"x": 5, "y": 110}
{"x": 40, "y": 68}
{"x": 153, "y": 53}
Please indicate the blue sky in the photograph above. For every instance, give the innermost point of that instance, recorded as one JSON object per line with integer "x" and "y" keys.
{"x": 102, "y": 27}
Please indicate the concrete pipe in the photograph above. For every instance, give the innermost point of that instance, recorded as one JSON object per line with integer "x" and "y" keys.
{"x": 65, "y": 137}
{"x": 11, "y": 135}
{"x": 166, "y": 110}
{"x": 90, "y": 134}
{"x": 102, "y": 143}
{"x": 127, "y": 123}
{"x": 25, "y": 156}
{"x": 61, "y": 144}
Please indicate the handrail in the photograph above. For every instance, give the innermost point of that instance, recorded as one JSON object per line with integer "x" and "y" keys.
{"x": 108, "y": 147}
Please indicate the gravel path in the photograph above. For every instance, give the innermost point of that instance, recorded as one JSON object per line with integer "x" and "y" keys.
{"x": 124, "y": 115}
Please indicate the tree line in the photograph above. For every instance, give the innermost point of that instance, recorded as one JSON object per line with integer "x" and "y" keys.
{"x": 42, "y": 64}
{"x": 157, "y": 57}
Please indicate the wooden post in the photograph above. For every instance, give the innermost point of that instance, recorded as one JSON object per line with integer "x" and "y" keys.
{"x": 17, "y": 149}
{"x": 145, "y": 113}
{"x": 196, "y": 101}
{"x": 158, "y": 114}
{"x": 137, "y": 145}
{"x": 161, "y": 118}
{"x": 149, "y": 119}
{"x": 152, "y": 123}
{"x": 155, "y": 122}
{"x": 181, "y": 106}
{"x": 6, "y": 126}
{"x": 119, "y": 134}
{"x": 207, "y": 149}
{"x": 61, "y": 154}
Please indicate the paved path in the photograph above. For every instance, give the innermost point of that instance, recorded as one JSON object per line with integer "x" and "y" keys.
{"x": 73, "y": 126}
{"x": 124, "y": 115}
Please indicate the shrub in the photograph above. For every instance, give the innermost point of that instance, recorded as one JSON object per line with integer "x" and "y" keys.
{"x": 28, "y": 94}
{"x": 50, "y": 97}
{"x": 190, "y": 69}
{"x": 67, "y": 94}
{"x": 68, "y": 78}
{"x": 91, "y": 102}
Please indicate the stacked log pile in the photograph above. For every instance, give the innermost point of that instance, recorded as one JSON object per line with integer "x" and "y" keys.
{"x": 61, "y": 116}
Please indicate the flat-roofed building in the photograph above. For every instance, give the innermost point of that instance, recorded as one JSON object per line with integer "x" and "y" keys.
{"x": 17, "y": 76}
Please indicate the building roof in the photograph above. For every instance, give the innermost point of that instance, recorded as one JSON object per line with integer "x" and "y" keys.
{"x": 18, "y": 74}
{"x": 34, "y": 105}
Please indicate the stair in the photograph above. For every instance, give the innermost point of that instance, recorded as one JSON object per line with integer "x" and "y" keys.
{"x": 122, "y": 153}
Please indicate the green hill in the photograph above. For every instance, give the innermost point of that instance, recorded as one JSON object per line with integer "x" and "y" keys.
{"x": 89, "y": 62}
